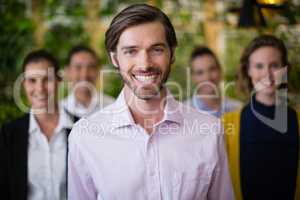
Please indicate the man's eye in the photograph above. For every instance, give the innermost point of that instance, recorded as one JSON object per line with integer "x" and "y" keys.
{"x": 129, "y": 52}
{"x": 198, "y": 73}
{"x": 259, "y": 66}
{"x": 78, "y": 67}
{"x": 157, "y": 50}
{"x": 92, "y": 66}
{"x": 30, "y": 80}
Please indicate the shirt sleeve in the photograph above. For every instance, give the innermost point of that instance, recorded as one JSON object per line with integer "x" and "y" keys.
{"x": 221, "y": 186}
{"x": 80, "y": 183}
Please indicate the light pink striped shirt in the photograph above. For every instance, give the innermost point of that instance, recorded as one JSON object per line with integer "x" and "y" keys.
{"x": 113, "y": 158}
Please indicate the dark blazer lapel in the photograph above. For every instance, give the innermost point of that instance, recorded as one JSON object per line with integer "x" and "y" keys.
{"x": 19, "y": 158}
{"x": 68, "y": 131}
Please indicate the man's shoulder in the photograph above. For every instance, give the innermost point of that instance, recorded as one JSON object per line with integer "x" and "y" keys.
{"x": 190, "y": 113}
{"x": 197, "y": 123}
{"x": 96, "y": 123}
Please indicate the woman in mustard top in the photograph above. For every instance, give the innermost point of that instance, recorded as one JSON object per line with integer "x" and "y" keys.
{"x": 263, "y": 137}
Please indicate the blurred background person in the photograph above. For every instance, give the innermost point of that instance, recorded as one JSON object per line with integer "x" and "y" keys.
{"x": 81, "y": 72}
{"x": 263, "y": 138}
{"x": 207, "y": 75}
{"x": 33, "y": 148}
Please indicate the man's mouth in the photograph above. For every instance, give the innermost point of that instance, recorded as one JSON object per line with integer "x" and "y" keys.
{"x": 41, "y": 98}
{"x": 146, "y": 77}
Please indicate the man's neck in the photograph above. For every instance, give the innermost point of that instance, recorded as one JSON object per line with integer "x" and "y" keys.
{"x": 213, "y": 101}
{"x": 146, "y": 112}
{"x": 83, "y": 98}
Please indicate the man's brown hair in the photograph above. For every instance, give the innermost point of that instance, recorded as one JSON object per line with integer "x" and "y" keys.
{"x": 135, "y": 15}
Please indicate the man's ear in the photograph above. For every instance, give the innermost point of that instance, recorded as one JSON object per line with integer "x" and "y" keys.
{"x": 172, "y": 59}
{"x": 114, "y": 59}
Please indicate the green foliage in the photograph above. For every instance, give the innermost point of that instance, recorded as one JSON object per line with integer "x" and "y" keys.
{"x": 15, "y": 39}
{"x": 8, "y": 112}
{"x": 290, "y": 35}
{"x": 112, "y": 82}
{"x": 65, "y": 21}
{"x": 60, "y": 39}
{"x": 236, "y": 40}
{"x": 180, "y": 70}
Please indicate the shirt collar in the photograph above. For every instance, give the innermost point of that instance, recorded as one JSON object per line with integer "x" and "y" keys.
{"x": 172, "y": 111}
{"x": 200, "y": 105}
{"x": 123, "y": 117}
{"x": 65, "y": 122}
{"x": 94, "y": 100}
{"x": 33, "y": 125}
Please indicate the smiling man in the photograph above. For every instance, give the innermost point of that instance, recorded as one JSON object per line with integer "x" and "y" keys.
{"x": 146, "y": 145}
{"x": 82, "y": 72}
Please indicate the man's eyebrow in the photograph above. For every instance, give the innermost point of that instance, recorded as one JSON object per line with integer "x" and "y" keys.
{"x": 134, "y": 46}
{"x": 128, "y": 47}
{"x": 159, "y": 44}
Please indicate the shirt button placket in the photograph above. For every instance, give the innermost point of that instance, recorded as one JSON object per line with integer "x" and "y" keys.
{"x": 153, "y": 175}
{"x": 48, "y": 183}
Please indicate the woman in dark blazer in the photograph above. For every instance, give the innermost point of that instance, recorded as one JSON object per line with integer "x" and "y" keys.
{"x": 33, "y": 148}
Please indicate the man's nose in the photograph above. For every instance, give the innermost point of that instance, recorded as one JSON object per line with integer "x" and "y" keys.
{"x": 84, "y": 74}
{"x": 206, "y": 76}
{"x": 41, "y": 86}
{"x": 144, "y": 60}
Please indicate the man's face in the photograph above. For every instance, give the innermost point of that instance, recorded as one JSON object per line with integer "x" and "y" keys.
{"x": 143, "y": 58}
{"x": 82, "y": 71}
{"x": 206, "y": 74}
{"x": 40, "y": 84}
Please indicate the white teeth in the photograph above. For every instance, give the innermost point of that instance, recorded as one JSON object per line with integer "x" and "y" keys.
{"x": 145, "y": 78}
{"x": 41, "y": 97}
